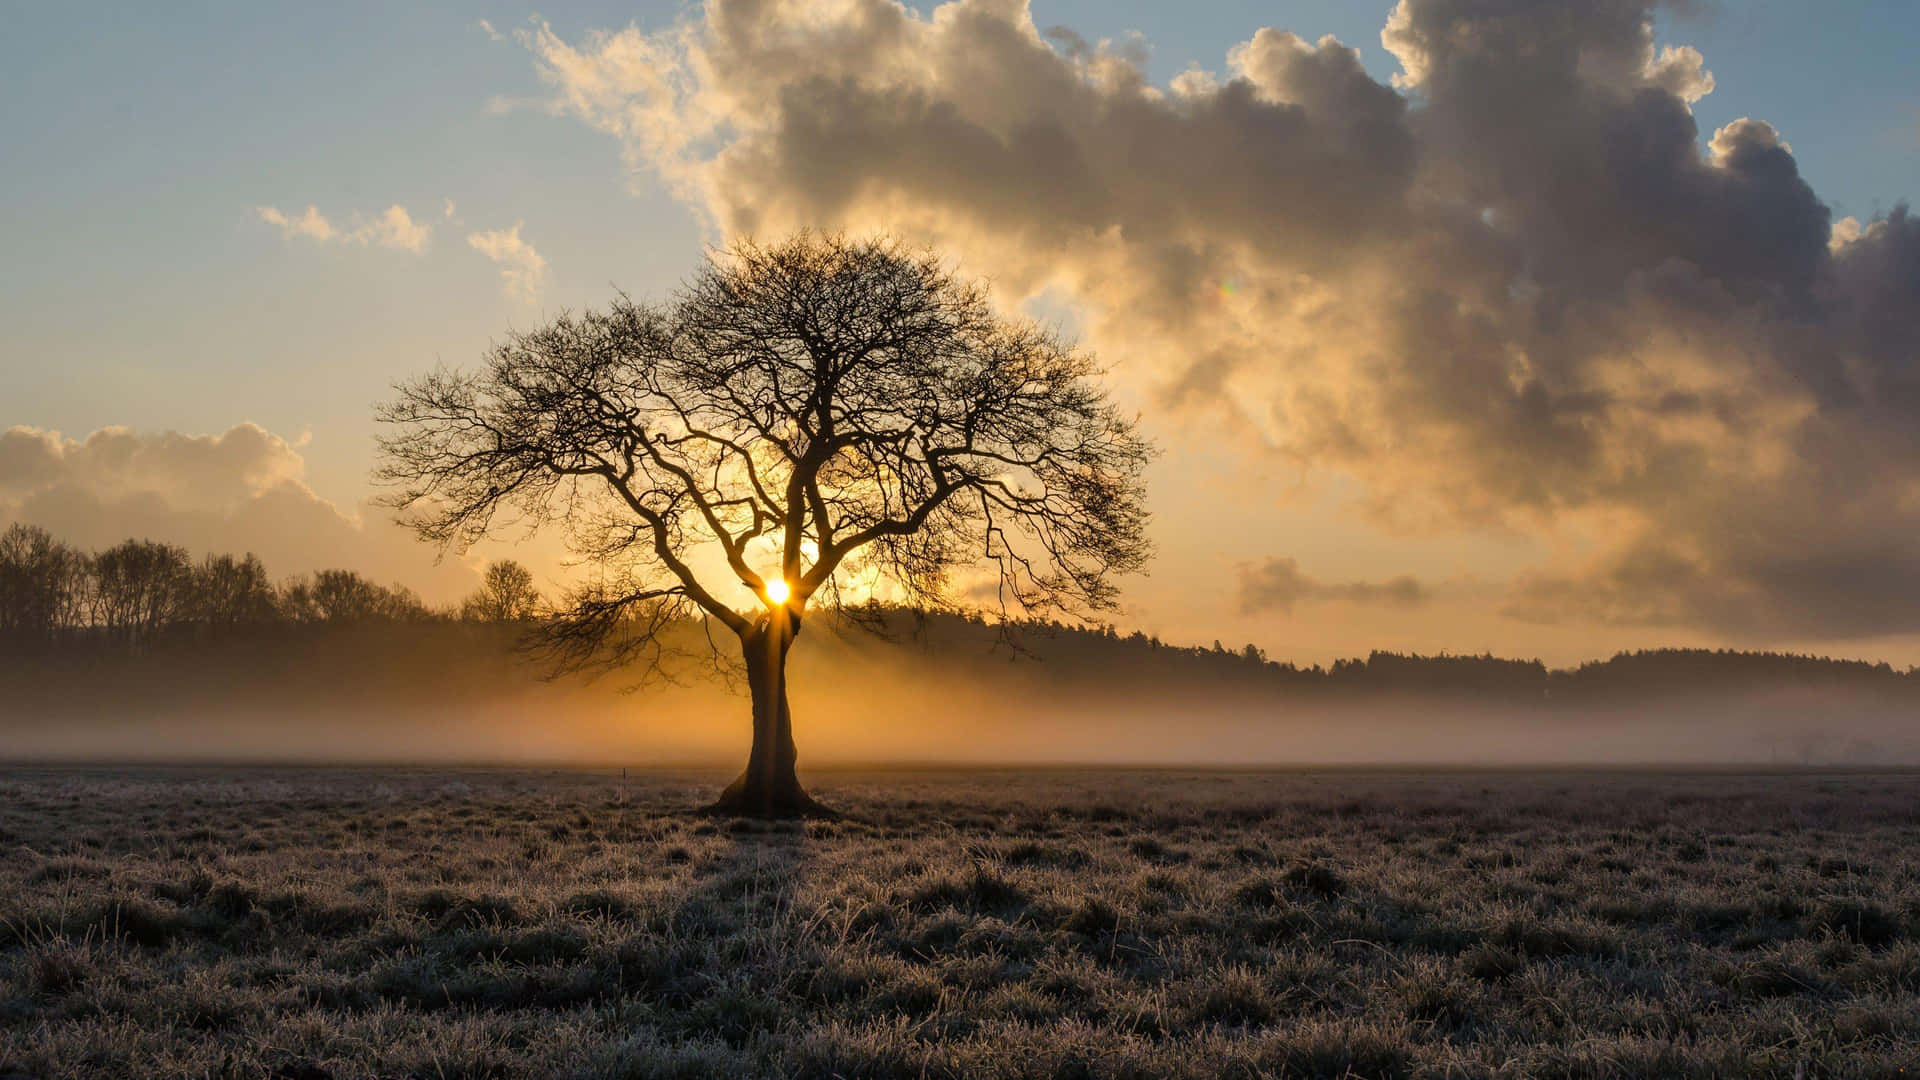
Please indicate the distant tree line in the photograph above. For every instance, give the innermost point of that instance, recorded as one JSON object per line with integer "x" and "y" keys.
{"x": 141, "y": 591}
{"x": 1640, "y": 672}
{"x": 1647, "y": 672}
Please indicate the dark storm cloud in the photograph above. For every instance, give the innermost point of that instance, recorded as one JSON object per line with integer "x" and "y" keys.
{"x": 1519, "y": 288}
{"x": 1278, "y": 585}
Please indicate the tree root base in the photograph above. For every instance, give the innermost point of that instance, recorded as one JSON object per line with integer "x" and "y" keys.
{"x": 787, "y": 805}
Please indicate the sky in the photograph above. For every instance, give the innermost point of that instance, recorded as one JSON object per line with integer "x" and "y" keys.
{"x": 1529, "y": 328}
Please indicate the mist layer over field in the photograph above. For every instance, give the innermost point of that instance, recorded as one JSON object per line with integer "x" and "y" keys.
{"x": 459, "y": 694}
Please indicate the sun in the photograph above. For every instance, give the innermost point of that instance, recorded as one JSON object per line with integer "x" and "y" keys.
{"x": 777, "y": 590}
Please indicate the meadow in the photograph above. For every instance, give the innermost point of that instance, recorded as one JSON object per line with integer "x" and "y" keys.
{"x": 314, "y": 923}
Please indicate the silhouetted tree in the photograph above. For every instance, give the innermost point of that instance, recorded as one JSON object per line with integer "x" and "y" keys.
{"x": 229, "y": 593}
{"x": 344, "y": 597}
{"x": 820, "y": 411}
{"x": 42, "y": 585}
{"x": 140, "y": 588}
{"x": 506, "y": 594}
{"x": 294, "y": 600}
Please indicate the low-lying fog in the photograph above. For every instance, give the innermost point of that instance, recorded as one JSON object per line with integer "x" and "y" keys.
{"x": 871, "y": 703}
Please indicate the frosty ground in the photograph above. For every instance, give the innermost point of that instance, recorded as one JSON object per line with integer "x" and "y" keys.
{"x": 319, "y": 923}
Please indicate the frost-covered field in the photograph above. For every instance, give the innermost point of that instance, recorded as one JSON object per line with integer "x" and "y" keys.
{"x": 309, "y": 923}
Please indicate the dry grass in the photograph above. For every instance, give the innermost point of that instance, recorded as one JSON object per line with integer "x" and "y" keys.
{"x": 308, "y": 924}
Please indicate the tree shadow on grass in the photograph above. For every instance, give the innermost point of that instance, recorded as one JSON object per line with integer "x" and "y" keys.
{"x": 719, "y": 966}
{"x": 753, "y": 882}
{"x": 698, "y": 980}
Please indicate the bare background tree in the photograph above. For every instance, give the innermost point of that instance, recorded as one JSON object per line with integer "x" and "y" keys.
{"x": 506, "y": 594}
{"x": 140, "y": 592}
{"x": 140, "y": 587}
{"x": 231, "y": 592}
{"x": 813, "y": 423}
{"x": 43, "y": 585}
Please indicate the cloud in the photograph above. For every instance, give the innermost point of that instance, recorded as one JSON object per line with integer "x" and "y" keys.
{"x": 312, "y": 224}
{"x": 487, "y": 28}
{"x": 1681, "y": 72}
{"x": 391, "y": 228}
{"x": 395, "y": 228}
{"x": 523, "y": 271}
{"x": 1278, "y": 585}
{"x": 196, "y": 472}
{"x": 241, "y": 490}
{"x": 1508, "y": 290}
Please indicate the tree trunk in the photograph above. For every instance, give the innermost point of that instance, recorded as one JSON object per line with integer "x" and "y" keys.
{"x": 769, "y": 787}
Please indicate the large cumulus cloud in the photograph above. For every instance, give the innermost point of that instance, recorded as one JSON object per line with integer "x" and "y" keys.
{"x": 1514, "y": 288}
{"x": 241, "y": 490}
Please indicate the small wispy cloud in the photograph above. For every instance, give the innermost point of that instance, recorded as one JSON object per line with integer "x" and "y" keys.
{"x": 395, "y": 228}
{"x": 523, "y": 271}
{"x": 491, "y": 33}
{"x": 391, "y": 228}
{"x": 312, "y": 224}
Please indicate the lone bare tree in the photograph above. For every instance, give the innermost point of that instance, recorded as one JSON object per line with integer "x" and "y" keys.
{"x": 802, "y": 423}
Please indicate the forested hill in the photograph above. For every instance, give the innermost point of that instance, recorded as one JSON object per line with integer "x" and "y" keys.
{"x": 409, "y": 650}
{"x": 1659, "y": 673}
{"x": 383, "y": 688}
{"x": 140, "y": 617}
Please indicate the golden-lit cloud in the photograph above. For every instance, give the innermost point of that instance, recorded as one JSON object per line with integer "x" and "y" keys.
{"x": 391, "y": 228}
{"x": 1508, "y": 290}
{"x": 191, "y": 472}
{"x": 312, "y": 224}
{"x": 395, "y": 228}
{"x": 241, "y": 490}
{"x": 523, "y": 271}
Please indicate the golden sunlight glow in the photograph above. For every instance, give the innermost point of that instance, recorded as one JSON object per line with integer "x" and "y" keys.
{"x": 777, "y": 590}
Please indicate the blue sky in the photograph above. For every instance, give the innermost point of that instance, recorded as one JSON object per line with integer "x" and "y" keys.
{"x": 141, "y": 287}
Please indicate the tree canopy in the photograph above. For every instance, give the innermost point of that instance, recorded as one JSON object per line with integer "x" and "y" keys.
{"x": 806, "y": 412}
